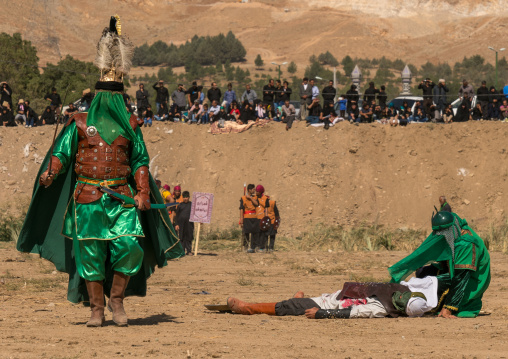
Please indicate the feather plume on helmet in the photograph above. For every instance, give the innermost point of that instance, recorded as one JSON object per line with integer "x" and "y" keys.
{"x": 114, "y": 53}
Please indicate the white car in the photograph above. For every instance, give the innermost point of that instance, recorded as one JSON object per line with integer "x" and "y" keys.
{"x": 411, "y": 101}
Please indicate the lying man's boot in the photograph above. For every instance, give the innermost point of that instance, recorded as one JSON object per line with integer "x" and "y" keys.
{"x": 239, "y": 307}
{"x": 96, "y": 293}
{"x": 116, "y": 297}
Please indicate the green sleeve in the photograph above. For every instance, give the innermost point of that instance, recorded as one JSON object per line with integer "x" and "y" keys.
{"x": 465, "y": 256}
{"x": 66, "y": 146}
{"x": 139, "y": 156}
{"x": 457, "y": 289}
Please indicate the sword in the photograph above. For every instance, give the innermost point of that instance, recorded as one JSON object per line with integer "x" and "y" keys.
{"x": 129, "y": 202}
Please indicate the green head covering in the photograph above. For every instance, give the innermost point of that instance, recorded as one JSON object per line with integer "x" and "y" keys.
{"x": 108, "y": 115}
{"x": 442, "y": 220}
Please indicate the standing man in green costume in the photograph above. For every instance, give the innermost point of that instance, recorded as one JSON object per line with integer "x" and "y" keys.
{"x": 461, "y": 264}
{"x": 112, "y": 245}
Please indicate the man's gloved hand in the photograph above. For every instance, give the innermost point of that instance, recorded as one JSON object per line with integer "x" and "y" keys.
{"x": 142, "y": 201}
{"x": 46, "y": 179}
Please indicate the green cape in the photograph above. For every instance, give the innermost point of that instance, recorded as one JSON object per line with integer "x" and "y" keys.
{"x": 41, "y": 233}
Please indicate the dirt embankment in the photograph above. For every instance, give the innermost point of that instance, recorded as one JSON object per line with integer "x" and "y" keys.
{"x": 348, "y": 175}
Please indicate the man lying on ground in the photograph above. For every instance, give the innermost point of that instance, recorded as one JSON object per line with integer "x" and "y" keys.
{"x": 355, "y": 300}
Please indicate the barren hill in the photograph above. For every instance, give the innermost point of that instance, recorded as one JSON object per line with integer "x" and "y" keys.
{"x": 348, "y": 175}
{"x": 279, "y": 30}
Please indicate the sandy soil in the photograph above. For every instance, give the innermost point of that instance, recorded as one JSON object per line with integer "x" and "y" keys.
{"x": 349, "y": 175}
{"x": 36, "y": 321}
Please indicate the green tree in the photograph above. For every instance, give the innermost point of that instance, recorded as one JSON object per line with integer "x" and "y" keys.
{"x": 328, "y": 59}
{"x": 292, "y": 68}
{"x": 218, "y": 66}
{"x": 259, "y": 61}
{"x": 347, "y": 64}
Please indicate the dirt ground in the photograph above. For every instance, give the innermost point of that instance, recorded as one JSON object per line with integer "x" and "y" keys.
{"x": 36, "y": 321}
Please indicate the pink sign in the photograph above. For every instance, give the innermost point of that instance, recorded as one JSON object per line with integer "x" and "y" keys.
{"x": 201, "y": 209}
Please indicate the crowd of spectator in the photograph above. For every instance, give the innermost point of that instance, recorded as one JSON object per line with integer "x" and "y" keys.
{"x": 315, "y": 106}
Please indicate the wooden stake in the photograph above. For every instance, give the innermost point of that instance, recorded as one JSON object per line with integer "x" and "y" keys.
{"x": 197, "y": 240}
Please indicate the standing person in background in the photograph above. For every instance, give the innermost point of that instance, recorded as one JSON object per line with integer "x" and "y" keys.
{"x": 439, "y": 93}
{"x": 305, "y": 91}
{"x": 54, "y": 101}
{"x": 352, "y": 96}
{"x": 6, "y": 93}
{"x": 269, "y": 96}
{"x": 278, "y": 94}
{"x": 214, "y": 93}
{"x": 229, "y": 97}
{"x": 444, "y": 205}
{"x": 426, "y": 86}
{"x": 482, "y": 97}
{"x": 342, "y": 106}
{"x": 382, "y": 97}
{"x": 249, "y": 220}
{"x": 249, "y": 95}
{"x": 47, "y": 117}
{"x": 184, "y": 226}
{"x": 69, "y": 112}
{"x": 193, "y": 93}
{"x": 286, "y": 93}
{"x": 142, "y": 100}
{"x": 314, "y": 89}
{"x": 272, "y": 212}
{"x": 329, "y": 93}
{"x": 162, "y": 94}
{"x": 178, "y": 97}
{"x": 466, "y": 88}
{"x": 261, "y": 213}
{"x": 86, "y": 100}
{"x": 370, "y": 93}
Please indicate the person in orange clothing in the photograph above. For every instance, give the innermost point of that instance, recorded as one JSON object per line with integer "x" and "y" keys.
{"x": 249, "y": 219}
{"x": 177, "y": 197}
{"x": 272, "y": 212}
{"x": 261, "y": 213}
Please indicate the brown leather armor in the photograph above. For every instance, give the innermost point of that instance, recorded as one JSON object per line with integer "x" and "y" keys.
{"x": 98, "y": 160}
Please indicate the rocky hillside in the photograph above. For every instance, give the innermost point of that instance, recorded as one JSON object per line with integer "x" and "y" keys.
{"x": 280, "y": 30}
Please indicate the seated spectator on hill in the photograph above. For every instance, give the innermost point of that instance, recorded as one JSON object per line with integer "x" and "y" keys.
{"x": 288, "y": 114}
{"x": 482, "y": 97}
{"x": 464, "y": 109}
{"x": 315, "y": 110}
{"x": 387, "y": 114}
{"x": 47, "y": 117}
{"x": 128, "y": 106}
{"x": 286, "y": 93}
{"x": 405, "y": 113}
{"x": 7, "y": 118}
{"x": 194, "y": 93}
{"x": 315, "y": 89}
{"x": 420, "y": 109}
{"x": 382, "y": 97}
{"x": 229, "y": 97}
{"x": 6, "y": 93}
{"x": 221, "y": 117}
{"x": 354, "y": 113}
{"x": 20, "y": 117}
{"x": 326, "y": 113}
{"x": 162, "y": 94}
{"x": 174, "y": 113}
{"x": 31, "y": 116}
{"x": 249, "y": 95}
{"x": 86, "y": 99}
{"x": 503, "y": 109}
{"x": 234, "y": 112}
{"x": 69, "y": 112}
{"x": 247, "y": 113}
{"x": 203, "y": 116}
{"x": 370, "y": 93}
{"x": 148, "y": 117}
{"x": 214, "y": 93}
{"x": 493, "y": 111}
{"x": 418, "y": 116}
{"x": 163, "y": 113}
{"x": 448, "y": 114}
{"x": 377, "y": 114}
{"x": 54, "y": 100}
{"x": 329, "y": 93}
{"x": 213, "y": 111}
{"x": 261, "y": 111}
{"x": 366, "y": 114}
{"x": 194, "y": 112}
{"x": 477, "y": 113}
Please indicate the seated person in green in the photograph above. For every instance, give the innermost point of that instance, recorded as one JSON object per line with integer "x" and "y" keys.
{"x": 461, "y": 264}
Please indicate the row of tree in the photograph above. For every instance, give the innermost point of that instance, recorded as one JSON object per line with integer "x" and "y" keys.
{"x": 203, "y": 50}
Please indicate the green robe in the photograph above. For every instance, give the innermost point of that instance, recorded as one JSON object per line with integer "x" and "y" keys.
{"x": 42, "y": 230}
{"x": 469, "y": 272}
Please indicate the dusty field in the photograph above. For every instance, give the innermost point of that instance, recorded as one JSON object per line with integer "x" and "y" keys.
{"x": 36, "y": 321}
